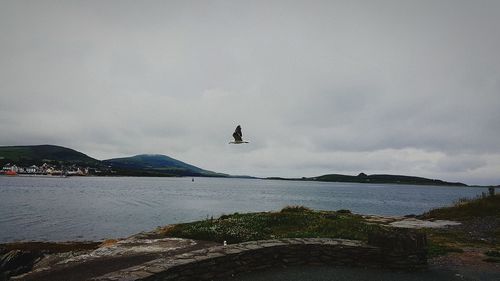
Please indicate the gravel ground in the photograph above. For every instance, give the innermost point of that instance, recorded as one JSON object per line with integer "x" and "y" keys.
{"x": 482, "y": 229}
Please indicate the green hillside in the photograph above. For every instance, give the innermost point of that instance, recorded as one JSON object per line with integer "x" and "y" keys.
{"x": 382, "y": 179}
{"x": 140, "y": 165}
{"x": 38, "y": 154}
{"x": 392, "y": 179}
{"x": 156, "y": 165}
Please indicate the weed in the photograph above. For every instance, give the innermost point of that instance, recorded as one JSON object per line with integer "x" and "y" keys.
{"x": 291, "y": 221}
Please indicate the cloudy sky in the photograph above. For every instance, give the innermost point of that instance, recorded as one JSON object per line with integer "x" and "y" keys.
{"x": 404, "y": 87}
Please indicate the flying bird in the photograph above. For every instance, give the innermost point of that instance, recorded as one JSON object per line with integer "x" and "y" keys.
{"x": 238, "y": 136}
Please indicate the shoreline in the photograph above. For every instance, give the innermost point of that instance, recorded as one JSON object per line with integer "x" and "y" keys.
{"x": 68, "y": 256}
{"x": 259, "y": 178}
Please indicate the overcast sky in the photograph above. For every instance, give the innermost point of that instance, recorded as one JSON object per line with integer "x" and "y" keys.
{"x": 402, "y": 87}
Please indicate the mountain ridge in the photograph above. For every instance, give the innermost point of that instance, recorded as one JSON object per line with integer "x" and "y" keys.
{"x": 159, "y": 163}
{"x": 138, "y": 165}
{"x": 37, "y": 154}
{"x": 163, "y": 165}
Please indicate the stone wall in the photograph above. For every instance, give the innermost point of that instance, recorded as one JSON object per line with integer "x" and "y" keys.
{"x": 220, "y": 262}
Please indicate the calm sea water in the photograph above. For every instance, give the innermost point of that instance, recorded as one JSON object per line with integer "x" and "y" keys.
{"x": 91, "y": 208}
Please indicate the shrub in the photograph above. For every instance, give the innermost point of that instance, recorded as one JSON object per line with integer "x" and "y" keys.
{"x": 292, "y": 221}
{"x": 295, "y": 209}
{"x": 466, "y": 209}
{"x": 493, "y": 254}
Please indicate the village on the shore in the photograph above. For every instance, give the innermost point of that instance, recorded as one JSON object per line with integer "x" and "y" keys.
{"x": 47, "y": 169}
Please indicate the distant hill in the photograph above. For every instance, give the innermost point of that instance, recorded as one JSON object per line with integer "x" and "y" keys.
{"x": 387, "y": 179}
{"x": 162, "y": 165}
{"x": 139, "y": 165}
{"x": 38, "y": 154}
{"x": 397, "y": 179}
{"x": 157, "y": 165}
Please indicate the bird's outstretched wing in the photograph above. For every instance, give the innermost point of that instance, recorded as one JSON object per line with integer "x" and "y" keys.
{"x": 237, "y": 135}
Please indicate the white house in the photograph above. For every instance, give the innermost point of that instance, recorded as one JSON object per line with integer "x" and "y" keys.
{"x": 10, "y": 167}
{"x": 32, "y": 169}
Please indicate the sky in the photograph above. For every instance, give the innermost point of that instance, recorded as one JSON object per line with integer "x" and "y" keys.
{"x": 397, "y": 87}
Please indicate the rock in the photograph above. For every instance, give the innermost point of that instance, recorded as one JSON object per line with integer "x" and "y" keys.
{"x": 399, "y": 240}
{"x": 331, "y": 216}
{"x": 410, "y": 216}
{"x": 416, "y": 223}
{"x": 16, "y": 262}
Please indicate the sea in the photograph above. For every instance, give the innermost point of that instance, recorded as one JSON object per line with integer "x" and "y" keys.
{"x": 98, "y": 208}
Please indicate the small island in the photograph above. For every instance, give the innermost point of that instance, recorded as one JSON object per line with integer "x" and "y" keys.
{"x": 377, "y": 179}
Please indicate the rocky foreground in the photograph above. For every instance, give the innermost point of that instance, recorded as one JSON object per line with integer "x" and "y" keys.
{"x": 461, "y": 245}
{"x": 82, "y": 260}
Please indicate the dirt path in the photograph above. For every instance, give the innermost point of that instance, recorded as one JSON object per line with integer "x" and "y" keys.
{"x": 470, "y": 259}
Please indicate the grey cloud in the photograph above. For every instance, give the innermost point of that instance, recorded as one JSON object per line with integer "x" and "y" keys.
{"x": 461, "y": 163}
{"x": 318, "y": 86}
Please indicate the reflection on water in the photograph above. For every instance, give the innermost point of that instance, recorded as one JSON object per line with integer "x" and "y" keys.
{"x": 89, "y": 208}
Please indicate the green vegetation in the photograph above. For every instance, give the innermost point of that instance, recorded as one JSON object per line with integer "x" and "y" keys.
{"x": 391, "y": 179}
{"x": 495, "y": 254}
{"x": 156, "y": 165}
{"x": 466, "y": 209}
{"x": 480, "y": 226}
{"x": 291, "y": 222}
{"x": 380, "y": 179}
{"x": 39, "y": 154}
{"x": 140, "y": 165}
{"x": 492, "y": 256}
{"x": 438, "y": 249}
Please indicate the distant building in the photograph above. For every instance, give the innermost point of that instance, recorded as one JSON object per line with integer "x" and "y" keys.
{"x": 10, "y": 167}
{"x": 46, "y": 169}
{"x": 32, "y": 169}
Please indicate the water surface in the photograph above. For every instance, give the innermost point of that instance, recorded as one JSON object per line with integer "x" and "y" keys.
{"x": 90, "y": 208}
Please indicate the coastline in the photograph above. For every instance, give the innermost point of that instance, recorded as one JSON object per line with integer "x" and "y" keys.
{"x": 68, "y": 257}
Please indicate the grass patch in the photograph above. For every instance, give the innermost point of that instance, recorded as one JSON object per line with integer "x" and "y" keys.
{"x": 495, "y": 254}
{"x": 480, "y": 228}
{"x": 290, "y": 222}
{"x": 295, "y": 209}
{"x": 455, "y": 237}
{"x": 438, "y": 249}
{"x": 492, "y": 256}
{"x": 490, "y": 259}
{"x": 467, "y": 209}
